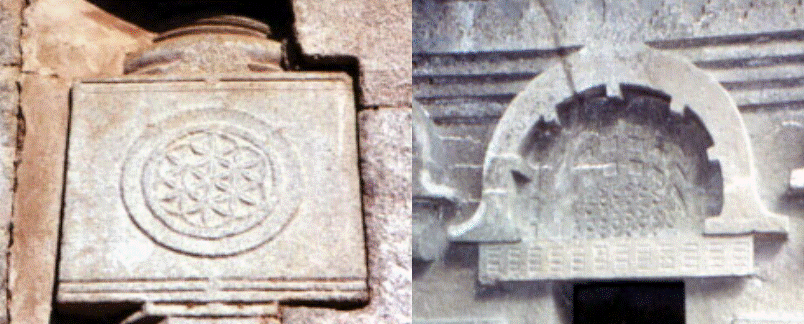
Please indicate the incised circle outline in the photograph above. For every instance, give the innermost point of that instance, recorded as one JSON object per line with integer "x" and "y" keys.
{"x": 212, "y": 182}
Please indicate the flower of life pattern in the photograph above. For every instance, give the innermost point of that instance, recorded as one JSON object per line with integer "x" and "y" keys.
{"x": 209, "y": 184}
{"x": 212, "y": 182}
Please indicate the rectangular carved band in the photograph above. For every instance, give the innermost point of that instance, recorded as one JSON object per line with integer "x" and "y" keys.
{"x": 617, "y": 258}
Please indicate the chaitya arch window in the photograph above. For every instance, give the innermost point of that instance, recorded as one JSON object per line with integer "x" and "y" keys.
{"x": 589, "y": 177}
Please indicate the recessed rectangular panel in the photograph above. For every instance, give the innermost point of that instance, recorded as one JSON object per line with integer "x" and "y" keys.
{"x": 238, "y": 190}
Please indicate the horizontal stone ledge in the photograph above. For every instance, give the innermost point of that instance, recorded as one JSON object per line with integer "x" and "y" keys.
{"x": 617, "y": 258}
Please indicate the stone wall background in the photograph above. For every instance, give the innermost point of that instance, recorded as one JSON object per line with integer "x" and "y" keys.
{"x": 470, "y": 58}
{"x": 10, "y": 22}
{"x": 46, "y": 45}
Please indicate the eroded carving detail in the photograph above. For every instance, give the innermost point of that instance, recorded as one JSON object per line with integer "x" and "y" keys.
{"x": 615, "y": 187}
{"x": 212, "y": 182}
{"x": 209, "y": 184}
{"x": 645, "y": 182}
{"x": 616, "y": 168}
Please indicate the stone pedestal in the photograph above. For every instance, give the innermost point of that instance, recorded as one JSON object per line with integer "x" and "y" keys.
{"x": 206, "y": 193}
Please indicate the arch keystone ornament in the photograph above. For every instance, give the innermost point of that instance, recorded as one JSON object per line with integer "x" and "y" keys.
{"x": 624, "y": 164}
{"x": 212, "y": 184}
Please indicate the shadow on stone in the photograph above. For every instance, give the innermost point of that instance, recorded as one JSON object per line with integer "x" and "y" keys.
{"x": 105, "y": 313}
{"x": 628, "y": 302}
{"x": 719, "y": 286}
{"x": 766, "y": 247}
{"x": 161, "y": 16}
{"x": 461, "y": 256}
{"x": 419, "y": 268}
{"x": 517, "y": 290}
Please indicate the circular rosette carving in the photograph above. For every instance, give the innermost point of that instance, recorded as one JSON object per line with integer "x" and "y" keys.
{"x": 209, "y": 183}
{"x": 212, "y": 182}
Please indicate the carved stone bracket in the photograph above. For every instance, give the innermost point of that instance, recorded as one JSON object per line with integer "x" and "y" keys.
{"x": 434, "y": 198}
{"x": 607, "y": 146}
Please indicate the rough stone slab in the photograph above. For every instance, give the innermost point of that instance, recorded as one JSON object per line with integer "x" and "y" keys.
{"x": 749, "y": 43}
{"x": 61, "y": 41}
{"x": 338, "y": 28}
{"x": 282, "y": 221}
{"x": 10, "y": 21}
{"x": 9, "y": 106}
{"x": 37, "y": 201}
{"x": 385, "y": 154}
{"x": 75, "y": 39}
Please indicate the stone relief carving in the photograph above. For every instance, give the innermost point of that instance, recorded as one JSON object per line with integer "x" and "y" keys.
{"x": 433, "y": 197}
{"x": 474, "y": 75}
{"x": 640, "y": 173}
{"x": 212, "y": 182}
{"x": 201, "y": 193}
{"x": 615, "y": 168}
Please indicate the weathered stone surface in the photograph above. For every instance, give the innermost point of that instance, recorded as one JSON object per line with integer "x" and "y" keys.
{"x": 74, "y": 39}
{"x": 230, "y": 191}
{"x": 37, "y": 200}
{"x": 9, "y": 107}
{"x": 456, "y": 26}
{"x": 65, "y": 41}
{"x": 385, "y": 154}
{"x": 10, "y": 21}
{"x": 434, "y": 197}
{"x": 471, "y": 60}
{"x": 377, "y": 33}
{"x": 561, "y": 140}
{"x": 223, "y": 44}
{"x": 62, "y": 41}
{"x": 773, "y": 292}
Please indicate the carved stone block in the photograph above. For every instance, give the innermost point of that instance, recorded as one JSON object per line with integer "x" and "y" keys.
{"x": 213, "y": 191}
{"x": 616, "y": 258}
{"x": 578, "y": 184}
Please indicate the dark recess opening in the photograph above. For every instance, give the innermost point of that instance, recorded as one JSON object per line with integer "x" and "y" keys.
{"x": 161, "y": 16}
{"x": 628, "y": 302}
